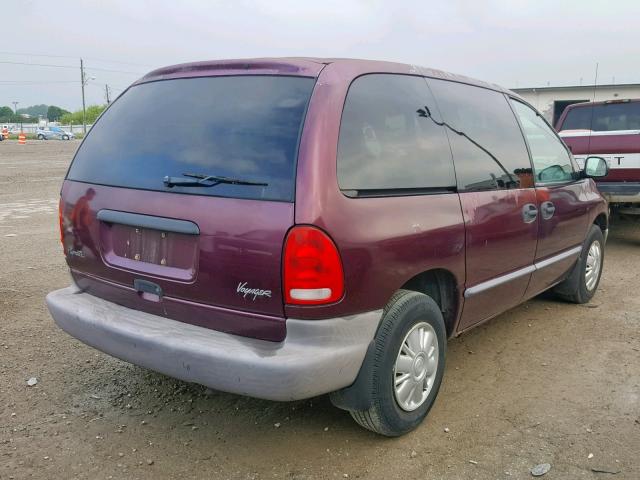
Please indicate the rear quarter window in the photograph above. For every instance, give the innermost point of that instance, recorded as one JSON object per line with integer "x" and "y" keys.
{"x": 385, "y": 145}
{"x": 244, "y": 127}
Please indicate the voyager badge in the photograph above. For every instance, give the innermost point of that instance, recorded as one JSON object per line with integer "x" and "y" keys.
{"x": 256, "y": 292}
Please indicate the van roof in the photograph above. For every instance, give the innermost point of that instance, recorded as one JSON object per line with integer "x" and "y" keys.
{"x": 299, "y": 66}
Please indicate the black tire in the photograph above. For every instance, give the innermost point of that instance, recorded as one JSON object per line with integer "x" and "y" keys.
{"x": 65, "y": 137}
{"x": 405, "y": 310}
{"x": 574, "y": 289}
{"x": 40, "y": 137}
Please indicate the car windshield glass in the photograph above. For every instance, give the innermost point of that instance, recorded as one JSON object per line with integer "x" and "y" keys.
{"x": 239, "y": 127}
{"x": 604, "y": 118}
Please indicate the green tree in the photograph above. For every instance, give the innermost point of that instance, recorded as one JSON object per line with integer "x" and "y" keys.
{"x": 6, "y": 114}
{"x": 75, "y": 118}
{"x": 55, "y": 113}
{"x": 35, "y": 110}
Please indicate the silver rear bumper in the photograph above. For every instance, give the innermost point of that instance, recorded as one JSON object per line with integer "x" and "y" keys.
{"x": 316, "y": 357}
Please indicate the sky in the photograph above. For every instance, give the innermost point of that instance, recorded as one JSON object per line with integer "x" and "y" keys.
{"x": 515, "y": 43}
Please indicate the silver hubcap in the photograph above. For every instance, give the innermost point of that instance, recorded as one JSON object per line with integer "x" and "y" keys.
{"x": 594, "y": 263}
{"x": 416, "y": 365}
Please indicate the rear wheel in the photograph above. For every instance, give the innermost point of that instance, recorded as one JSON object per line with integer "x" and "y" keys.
{"x": 65, "y": 137}
{"x": 40, "y": 137}
{"x": 581, "y": 285}
{"x": 408, "y": 365}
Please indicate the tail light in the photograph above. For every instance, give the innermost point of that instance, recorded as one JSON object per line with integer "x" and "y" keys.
{"x": 312, "y": 269}
{"x": 61, "y": 222}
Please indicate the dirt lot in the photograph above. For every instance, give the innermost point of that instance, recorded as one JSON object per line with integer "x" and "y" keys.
{"x": 547, "y": 382}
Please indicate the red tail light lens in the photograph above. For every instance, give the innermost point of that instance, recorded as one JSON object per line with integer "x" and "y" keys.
{"x": 313, "y": 272}
{"x": 61, "y": 222}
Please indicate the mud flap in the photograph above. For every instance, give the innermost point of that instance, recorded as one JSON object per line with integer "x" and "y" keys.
{"x": 357, "y": 396}
{"x": 571, "y": 283}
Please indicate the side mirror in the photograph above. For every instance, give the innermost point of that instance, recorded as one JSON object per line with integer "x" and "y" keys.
{"x": 595, "y": 167}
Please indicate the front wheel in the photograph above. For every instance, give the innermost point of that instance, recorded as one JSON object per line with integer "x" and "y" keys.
{"x": 40, "y": 137}
{"x": 407, "y": 366}
{"x": 582, "y": 283}
{"x": 65, "y": 137}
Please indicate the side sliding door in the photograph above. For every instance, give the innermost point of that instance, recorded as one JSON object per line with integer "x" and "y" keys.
{"x": 497, "y": 196}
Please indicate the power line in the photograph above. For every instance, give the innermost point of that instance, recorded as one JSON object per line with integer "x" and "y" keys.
{"x": 75, "y": 57}
{"x": 111, "y": 86}
{"x": 37, "y": 64}
{"x": 122, "y": 63}
{"x": 115, "y": 71}
{"x": 36, "y": 55}
{"x": 69, "y": 66}
{"x": 31, "y": 82}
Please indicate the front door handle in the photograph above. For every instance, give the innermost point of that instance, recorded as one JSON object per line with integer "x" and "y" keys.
{"x": 547, "y": 209}
{"x": 529, "y": 213}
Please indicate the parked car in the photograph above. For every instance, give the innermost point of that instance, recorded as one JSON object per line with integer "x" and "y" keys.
{"x": 318, "y": 226}
{"x": 48, "y": 133}
{"x": 611, "y": 130}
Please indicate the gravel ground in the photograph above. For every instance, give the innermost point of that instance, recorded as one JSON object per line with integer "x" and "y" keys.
{"x": 547, "y": 382}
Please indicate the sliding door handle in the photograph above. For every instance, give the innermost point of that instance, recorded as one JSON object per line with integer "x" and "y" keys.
{"x": 529, "y": 213}
{"x": 547, "y": 209}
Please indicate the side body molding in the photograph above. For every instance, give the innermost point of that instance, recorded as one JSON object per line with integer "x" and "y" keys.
{"x": 494, "y": 282}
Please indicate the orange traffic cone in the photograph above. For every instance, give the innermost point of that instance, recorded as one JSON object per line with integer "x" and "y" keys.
{"x": 22, "y": 139}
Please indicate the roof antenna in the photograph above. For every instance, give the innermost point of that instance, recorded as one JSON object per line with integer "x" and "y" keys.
{"x": 593, "y": 107}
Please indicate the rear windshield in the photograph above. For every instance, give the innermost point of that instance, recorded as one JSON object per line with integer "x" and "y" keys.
{"x": 241, "y": 127}
{"x": 606, "y": 118}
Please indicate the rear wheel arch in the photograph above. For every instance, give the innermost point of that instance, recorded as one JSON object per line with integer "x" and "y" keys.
{"x": 441, "y": 286}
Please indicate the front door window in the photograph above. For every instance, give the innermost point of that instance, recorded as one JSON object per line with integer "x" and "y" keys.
{"x": 551, "y": 161}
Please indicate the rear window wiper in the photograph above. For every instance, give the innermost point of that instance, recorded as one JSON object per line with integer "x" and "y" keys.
{"x": 201, "y": 180}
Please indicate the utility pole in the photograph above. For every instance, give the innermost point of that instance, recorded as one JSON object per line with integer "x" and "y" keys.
{"x": 84, "y": 112}
{"x": 15, "y": 109}
{"x": 107, "y": 93}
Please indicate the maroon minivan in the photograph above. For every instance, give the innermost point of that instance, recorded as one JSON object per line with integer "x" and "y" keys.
{"x": 285, "y": 228}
